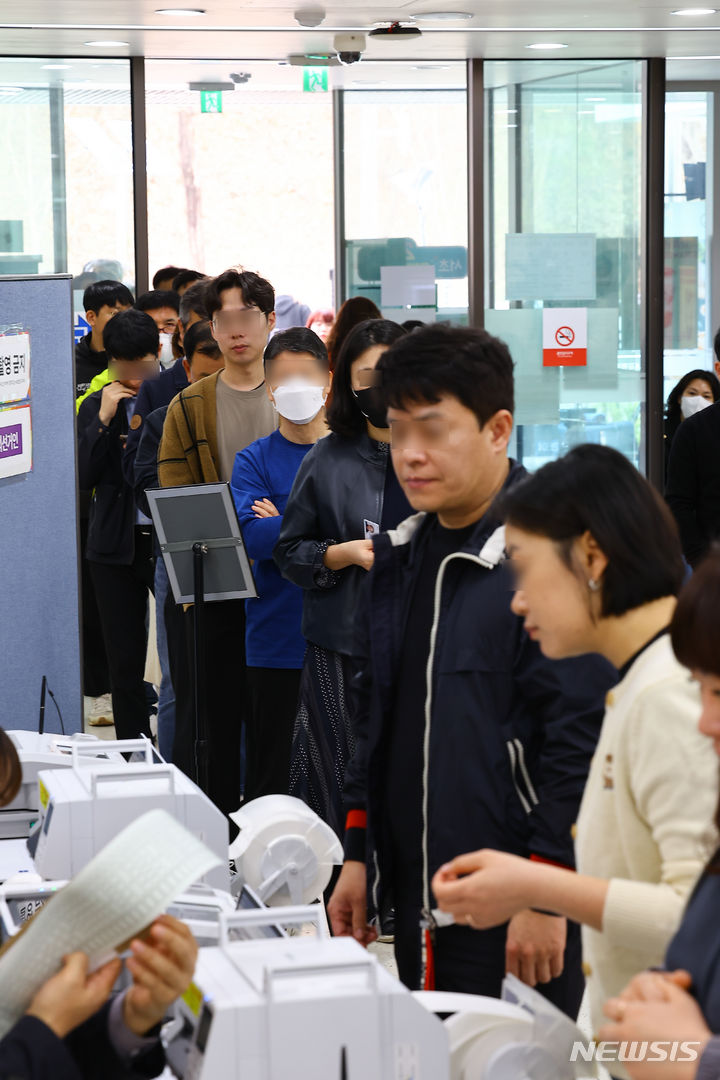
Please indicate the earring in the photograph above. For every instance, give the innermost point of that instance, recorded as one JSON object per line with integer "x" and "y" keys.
{"x": 593, "y": 585}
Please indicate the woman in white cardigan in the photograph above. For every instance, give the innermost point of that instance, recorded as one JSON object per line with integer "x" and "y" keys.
{"x": 598, "y": 566}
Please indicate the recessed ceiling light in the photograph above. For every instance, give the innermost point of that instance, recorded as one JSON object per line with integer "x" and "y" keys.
{"x": 690, "y": 12}
{"x": 547, "y": 45}
{"x": 105, "y": 44}
{"x": 179, "y": 11}
{"x": 443, "y": 16}
{"x": 595, "y": 99}
{"x": 56, "y": 67}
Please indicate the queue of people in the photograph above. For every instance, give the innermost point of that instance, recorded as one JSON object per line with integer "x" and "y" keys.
{"x": 480, "y": 679}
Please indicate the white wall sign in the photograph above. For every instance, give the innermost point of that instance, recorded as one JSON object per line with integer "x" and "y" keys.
{"x": 14, "y": 367}
{"x": 564, "y": 337}
{"x": 15, "y": 441}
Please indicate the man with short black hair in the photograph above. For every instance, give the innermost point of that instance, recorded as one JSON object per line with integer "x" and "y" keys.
{"x": 163, "y": 306}
{"x": 205, "y": 427}
{"x": 163, "y": 279}
{"x": 297, "y": 374}
{"x": 466, "y": 733}
{"x": 119, "y": 546}
{"x": 186, "y": 278}
{"x": 101, "y": 301}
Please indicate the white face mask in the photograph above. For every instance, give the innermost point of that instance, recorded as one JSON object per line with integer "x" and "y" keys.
{"x": 298, "y": 400}
{"x": 166, "y": 352}
{"x": 691, "y": 405}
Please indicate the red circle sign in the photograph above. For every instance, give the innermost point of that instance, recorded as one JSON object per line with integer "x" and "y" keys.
{"x": 565, "y": 336}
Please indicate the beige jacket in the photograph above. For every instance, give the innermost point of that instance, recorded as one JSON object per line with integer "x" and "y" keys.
{"x": 646, "y": 818}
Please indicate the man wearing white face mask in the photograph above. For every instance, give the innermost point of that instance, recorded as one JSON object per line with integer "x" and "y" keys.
{"x": 163, "y": 307}
{"x": 298, "y": 379}
{"x": 693, "y": 471}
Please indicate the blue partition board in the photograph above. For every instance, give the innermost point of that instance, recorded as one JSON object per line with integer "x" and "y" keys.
{"x": 39, "y": 592}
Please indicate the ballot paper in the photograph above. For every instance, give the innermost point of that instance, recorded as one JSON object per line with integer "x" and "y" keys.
{"x": 112, "y": 899}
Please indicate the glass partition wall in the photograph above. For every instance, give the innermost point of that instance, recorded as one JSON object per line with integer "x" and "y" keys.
{"x": 564, "y": 152}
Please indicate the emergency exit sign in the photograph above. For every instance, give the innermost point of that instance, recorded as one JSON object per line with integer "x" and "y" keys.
{"x": 315, "y": 80}
{"x": 211, "y": 101}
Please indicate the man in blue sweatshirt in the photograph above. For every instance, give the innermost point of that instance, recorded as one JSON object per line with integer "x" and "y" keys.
{"x": 298, "y": 378}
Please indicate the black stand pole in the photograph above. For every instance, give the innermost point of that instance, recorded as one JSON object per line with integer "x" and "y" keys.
{"x": 201, "y": 747}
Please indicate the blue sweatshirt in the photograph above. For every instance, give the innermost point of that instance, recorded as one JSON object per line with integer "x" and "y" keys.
{"x": 266, "y": 470}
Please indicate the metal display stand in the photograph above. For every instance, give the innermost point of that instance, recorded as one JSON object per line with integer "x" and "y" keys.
{"x": 200, "y": 539}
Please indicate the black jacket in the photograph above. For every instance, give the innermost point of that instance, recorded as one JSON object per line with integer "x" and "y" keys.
{"x": 693, "y": 482}
{"x": 339, "y": 486}
{"x": 145, "y": 472}
{"x": 88, "y": 364}
{"x": 154, "y": 394}
{"x": 509, "y": 734}
{"x": 31, "y": 1051}
{"x": 111, "y": 532}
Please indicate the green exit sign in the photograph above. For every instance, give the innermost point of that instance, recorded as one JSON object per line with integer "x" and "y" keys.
{"x": 315, "y": 80}
{"x": 211, "y": 101}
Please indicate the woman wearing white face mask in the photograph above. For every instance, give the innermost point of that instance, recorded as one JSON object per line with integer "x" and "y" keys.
{"x": 694, "y": 392}
{"x": 297, "y": 377}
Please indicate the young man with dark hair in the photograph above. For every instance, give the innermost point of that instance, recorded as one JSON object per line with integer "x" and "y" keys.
{"x": 163, "y": 279}
{"x": 101, "y": 301}
{"x": 692, "y": 489}
{"x": 297, "y": 374}
{"x": 119, "y": 546}
{"x": 206, "y": 425}
{"x": 466, "y": 734}
{"x": 203, "y": 358}
{"x": 163, "y": 306}
{"x": 186, "y": 278}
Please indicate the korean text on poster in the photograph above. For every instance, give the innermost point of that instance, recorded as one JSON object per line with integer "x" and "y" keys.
{"x": 15, "y": 441}
{"x": 14, "y": 367}
{"x": 564, "y": 337}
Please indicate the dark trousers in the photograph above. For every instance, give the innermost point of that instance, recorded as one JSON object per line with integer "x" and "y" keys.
{"x": 122, "y": 598}
{"x": 226, "y": 694}
{"x": 96, "y": 673}
{"x": 471, "y": 961}
{"x": 270, "y": 722}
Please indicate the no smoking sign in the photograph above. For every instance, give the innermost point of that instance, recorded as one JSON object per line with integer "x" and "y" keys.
{"x": 564, "y": 337}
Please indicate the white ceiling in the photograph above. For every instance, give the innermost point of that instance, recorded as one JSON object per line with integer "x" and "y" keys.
{"x": 267, "y": 29}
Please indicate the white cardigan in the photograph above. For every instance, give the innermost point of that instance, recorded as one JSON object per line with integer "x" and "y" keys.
{"x": 646, "y": 818}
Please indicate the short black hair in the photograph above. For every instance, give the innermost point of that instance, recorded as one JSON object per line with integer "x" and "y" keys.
{"x": 111, "y": 293}
{"x": 297, "y": 339}
{"x": 187, "y": 277}
{"x": 343, "y": 415}
{"x": 192, "y": 301}
{"x": 256, "y": 291}
{"x": 469, "y": 364}
{"x": 198, "y": 339}
{"x": 158, "y": 298}
{"x": 165, "y": 274}
{"x": 131, "y": 335}
{"x": 596, "y": 489}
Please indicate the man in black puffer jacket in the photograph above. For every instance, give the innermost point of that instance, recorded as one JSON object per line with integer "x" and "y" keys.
{"x": 467, "y": 736}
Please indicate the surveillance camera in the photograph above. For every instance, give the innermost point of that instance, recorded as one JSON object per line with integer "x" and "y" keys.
{"x": 240, "y": 77}
{"x": 349, "y": 47}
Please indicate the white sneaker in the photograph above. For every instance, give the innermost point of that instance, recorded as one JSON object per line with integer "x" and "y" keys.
{"x": 101, "y": 714}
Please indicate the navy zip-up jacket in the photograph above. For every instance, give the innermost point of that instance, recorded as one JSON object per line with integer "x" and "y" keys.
{"x": 509, "y": 734}
{"x": 154, "y": 394}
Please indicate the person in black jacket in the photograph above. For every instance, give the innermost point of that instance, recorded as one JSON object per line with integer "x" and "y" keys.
{"x": 203, "y": 358}
{"x": 119, "y": 545}
{"x": 345, "y": 492}
{"x": 71, "y": 1031}
{"x": 692, "y": 489}
{"x": 101, "y": 301}
{"x": 464, "y": 729}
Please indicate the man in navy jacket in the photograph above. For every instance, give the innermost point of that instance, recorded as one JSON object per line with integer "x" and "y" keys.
{"x": 465, "y": 732}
